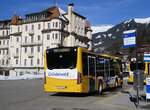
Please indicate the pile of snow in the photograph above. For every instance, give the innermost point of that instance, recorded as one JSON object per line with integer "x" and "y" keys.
{"x": 25, "y": 76}
{"x": 101, "y": 28}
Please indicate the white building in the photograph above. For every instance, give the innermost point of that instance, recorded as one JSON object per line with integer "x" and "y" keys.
{"x": 23, "y": 42}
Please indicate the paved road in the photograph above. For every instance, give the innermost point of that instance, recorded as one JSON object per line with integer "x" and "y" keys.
{"x": 29, "y": 95}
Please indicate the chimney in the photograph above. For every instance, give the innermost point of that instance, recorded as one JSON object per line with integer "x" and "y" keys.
{"x": 70, "y": 12}
{"x": 70, "y": 8}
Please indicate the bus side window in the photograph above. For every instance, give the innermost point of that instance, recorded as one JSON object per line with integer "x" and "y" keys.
{"x": 91, "y": 66}
{"x": 112, "y": 68}
{"x": 100, "y": 67}
{"x": 85, "y": 63}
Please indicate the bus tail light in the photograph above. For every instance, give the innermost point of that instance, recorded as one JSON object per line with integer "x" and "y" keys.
{"x": 79, "y": 79}
{"x": 44, "y": 78}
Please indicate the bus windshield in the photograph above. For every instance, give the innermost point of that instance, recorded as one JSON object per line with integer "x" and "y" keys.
{"x": 61, "y": 58}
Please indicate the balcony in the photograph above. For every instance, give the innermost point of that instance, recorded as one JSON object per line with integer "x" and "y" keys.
{"x": 58, "y": 42}
{"x": 16, "y": 55}
{"x": 31, "y": 32}
{"x": 16, "y": 34}
{"x": 4, "y": 37}
{"x": 2, "y": 47}
{"x": 35, "y": 43}
{"x": 30, "y": 55}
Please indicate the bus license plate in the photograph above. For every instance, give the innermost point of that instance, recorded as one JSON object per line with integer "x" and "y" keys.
{"x": 60, "y": 87}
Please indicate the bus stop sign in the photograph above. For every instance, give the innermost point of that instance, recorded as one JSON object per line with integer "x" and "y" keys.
{"x": 148, "y": 88}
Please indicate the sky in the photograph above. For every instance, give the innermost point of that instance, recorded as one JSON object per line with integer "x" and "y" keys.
{"x": 98, "y": 12}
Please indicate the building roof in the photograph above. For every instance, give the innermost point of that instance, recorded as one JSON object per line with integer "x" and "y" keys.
{"x": 52, "y": 12}
{"x": 79, "y": 15}
{"x": 5, "y": 21}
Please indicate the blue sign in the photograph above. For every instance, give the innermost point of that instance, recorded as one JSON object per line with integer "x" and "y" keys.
{"x": 129, "y": 38}
{"x": 147, "y": 57}
{"x": 148, "y": 88}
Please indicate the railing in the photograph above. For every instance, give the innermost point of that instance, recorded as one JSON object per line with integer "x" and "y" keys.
{"x": 31, "y": 43}
{"x": 30, "y": 54}
{"x": 4, "y": 46}
{"x": 31, "y": 32}
{"x": 16, "y": 55}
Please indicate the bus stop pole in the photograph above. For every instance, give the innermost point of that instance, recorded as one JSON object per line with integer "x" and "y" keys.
{"x": 136, "y": 52}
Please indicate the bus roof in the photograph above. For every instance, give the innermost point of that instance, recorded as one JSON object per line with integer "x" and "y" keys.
{"x": 110, "y": 56}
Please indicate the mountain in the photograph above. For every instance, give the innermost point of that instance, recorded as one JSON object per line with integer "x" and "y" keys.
{"x": 101, "y": 28}
{"x": 111, "y": 41}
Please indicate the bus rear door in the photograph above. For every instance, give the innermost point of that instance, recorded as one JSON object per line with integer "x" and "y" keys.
{"x": 92, "y": 73}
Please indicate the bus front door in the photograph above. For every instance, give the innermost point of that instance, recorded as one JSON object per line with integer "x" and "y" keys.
{"x": 91, "y": 73}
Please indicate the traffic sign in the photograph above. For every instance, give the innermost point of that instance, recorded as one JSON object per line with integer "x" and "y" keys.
{"x": 146, "y": 57}
{"x": 129, "y": 38}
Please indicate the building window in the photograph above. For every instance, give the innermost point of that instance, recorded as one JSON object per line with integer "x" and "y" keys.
{"x": 39, "y": 37}
{"x": 49, "y": 25}
{"x": 31, "y": 62}
{"x": 25, "y": 50}
{"x": 3, "y": 62}
{"x": 26, "y": 28}
{"x": 7, "y": 42}
{"x": 32, "y": 39}
{"x": 10, "y": 39}
{"x": 10, "y": 29}
{"x": 26, "y": 39}
{"x": 18, "y": 29}
{"x": 38, "y": 61}
{"x": 38, "y": 48}
{"x": 39, "y": 26}
{"x": 3, "y": 33}
{"x": 48, "y": 37}
{"x": 56, "y": 36}
{"x": 53, "y": 24}
{"x": 25, "y": 62}
{"x": 3, "y": 42}
{"x": 56, "y": 24}
{"x": 0, "y": 52}
{"x": 7, "y": 32}
{"x": 32, "y": 49}
{"x": 16, "y": 61}
{"x": 32, "y": 27}
{"x": 17, "y": 50}
{"x": 17, "y": 39}
{"x": 6, "y": 62}
{"x": 7, "y": 52}
{"x": 0, "y": 42}
{"x": 3, "y": 52}
{"x": 53, "y": 36}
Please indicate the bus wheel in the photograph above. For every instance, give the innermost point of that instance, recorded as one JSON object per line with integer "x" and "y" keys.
{"x": 100, "y": 88}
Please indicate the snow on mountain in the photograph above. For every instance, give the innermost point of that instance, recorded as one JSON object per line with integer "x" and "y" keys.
{"x": 100, "y": 28}
{"x": 139, "y": 20}
{"x": 142, "y": 21}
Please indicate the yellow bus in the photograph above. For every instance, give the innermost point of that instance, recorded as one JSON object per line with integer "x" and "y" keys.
{"x": 76, "y": 70}
{"x": 145, "y": 66}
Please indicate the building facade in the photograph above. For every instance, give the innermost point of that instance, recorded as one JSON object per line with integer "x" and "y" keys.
{"x": 23, "y": 41}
